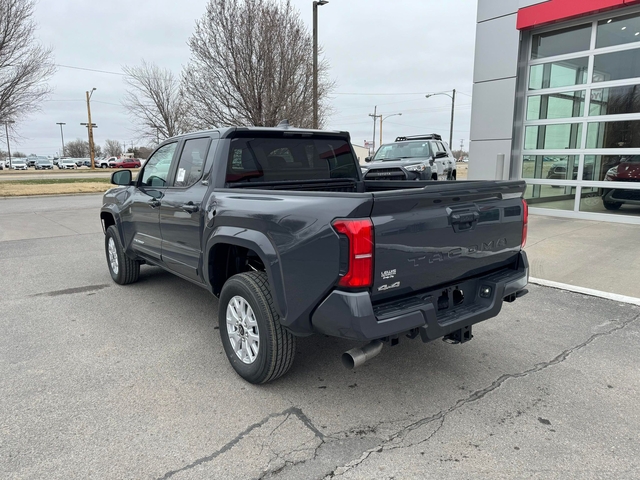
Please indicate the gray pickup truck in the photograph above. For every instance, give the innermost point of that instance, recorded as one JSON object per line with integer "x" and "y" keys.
{"x": 280, "y": 225}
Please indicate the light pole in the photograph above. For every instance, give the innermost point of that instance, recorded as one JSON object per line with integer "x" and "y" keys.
{"x": 375, "y": 117}
{"x": 382, "y": 119}
{"x": 90, "y": 127}
{"x": 6, "y": 129}
{"x": 453, "y": 106}
{"x": 315, "y": 59}
{"x": 62, "y": 136}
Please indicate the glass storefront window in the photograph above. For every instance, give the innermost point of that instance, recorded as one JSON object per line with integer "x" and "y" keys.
{"x": 545, "y": 137}
{"x": 607, "y": 168}
{"x": 558, "y": 197}
{"x": 618, "y": 31}
{"x": 556, "y": 105}
{"x": 559, "y": 42}
{"x": 616, "y": 65}
{"x": 624, "y": 134}
{"x": 551, "y": 167}
{"x": 617, "y": 201}
{"x": 559, "y": 74}
{"x": 615, "y": 100}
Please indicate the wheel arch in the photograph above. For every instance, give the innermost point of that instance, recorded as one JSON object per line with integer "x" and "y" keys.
{"x": 226, "y": 241}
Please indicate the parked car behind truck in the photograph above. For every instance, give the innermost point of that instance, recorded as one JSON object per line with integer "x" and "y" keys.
{"x": 280, "y": 225}
{"x": 419, "y": 157}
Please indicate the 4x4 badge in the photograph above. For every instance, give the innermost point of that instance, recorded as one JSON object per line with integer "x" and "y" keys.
{"x": 388, "y": 287}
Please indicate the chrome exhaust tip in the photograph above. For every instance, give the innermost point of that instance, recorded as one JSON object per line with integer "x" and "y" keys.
{"x": 358, "y": 356}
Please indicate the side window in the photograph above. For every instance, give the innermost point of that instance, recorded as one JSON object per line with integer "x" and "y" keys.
{"x": 156, "y": 170}
{"x": 191, "y": 162}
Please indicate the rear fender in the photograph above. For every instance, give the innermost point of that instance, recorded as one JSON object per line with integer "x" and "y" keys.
{"x": 262, "y": 246}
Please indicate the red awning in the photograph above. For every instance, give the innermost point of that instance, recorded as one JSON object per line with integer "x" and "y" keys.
{"x": 553, "y": 11}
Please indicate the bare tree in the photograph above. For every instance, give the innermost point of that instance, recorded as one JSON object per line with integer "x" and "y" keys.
{"x": 25, "y": 65}
{"x": 154, "y": 100}
{"x": 252, "y": 64}
{"x": 112, "y": 148}
{"x": 77, "y": 148}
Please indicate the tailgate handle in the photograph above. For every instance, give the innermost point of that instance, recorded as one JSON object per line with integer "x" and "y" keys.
{"x": 464, "y": 221}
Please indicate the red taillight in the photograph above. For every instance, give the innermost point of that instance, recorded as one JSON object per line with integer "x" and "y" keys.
{"x": 360, "y": 236}
{"x": 525, "y": 217}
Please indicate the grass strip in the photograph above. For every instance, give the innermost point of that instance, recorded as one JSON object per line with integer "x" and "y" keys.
{"x": 55, "y": 181}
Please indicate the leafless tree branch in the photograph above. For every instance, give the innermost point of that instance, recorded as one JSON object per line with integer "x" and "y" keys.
{"x": 252, "y": 64}
{"x": 154, "y": 100}
{"x": 25, "y": 65}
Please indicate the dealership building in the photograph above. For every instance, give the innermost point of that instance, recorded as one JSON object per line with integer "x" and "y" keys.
{"x": 556, "y": 102}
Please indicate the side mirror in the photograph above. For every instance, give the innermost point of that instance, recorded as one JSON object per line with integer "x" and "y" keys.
{"x": 367, "y": 159}
{"x": 121, "y": 177}
{"x": 441, "y": 155}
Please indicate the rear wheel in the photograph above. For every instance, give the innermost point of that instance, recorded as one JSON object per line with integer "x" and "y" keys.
{"x": 258, "y": 347}
{"x": 123, "y": 269}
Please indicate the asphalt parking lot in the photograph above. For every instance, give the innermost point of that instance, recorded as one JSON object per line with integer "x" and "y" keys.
{"x": 103, "y": 381}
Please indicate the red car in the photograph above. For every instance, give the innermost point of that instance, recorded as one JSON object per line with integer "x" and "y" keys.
{"x": 628, "y": 170}
{"x": 125, "y": 163}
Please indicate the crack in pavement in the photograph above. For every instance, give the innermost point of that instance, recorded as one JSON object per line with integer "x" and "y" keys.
{"x": 395, "y": 441}
{"x": 295, "y": 411}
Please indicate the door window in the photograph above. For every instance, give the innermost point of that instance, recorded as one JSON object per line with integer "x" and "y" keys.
{"x": 156, "y": 170}
{"x": 191, "y": 162}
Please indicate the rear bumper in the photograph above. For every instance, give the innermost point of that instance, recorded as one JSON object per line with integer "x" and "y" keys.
{"x": 351, "y": 315}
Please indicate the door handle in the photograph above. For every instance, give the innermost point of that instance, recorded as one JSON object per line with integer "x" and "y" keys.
{"x": 153, "y": 203}
{"x": 190, "y": 207}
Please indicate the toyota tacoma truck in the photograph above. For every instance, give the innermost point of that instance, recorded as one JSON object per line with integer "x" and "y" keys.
{"x": 281, "y": 226}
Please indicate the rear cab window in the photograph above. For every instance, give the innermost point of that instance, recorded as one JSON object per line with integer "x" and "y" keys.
{"x": 296, "y": 158}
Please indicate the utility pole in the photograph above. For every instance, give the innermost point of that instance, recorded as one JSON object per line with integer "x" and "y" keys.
{"x": 6, "y": 129}
{"x": 61, "y": 135}
{"x": 375, "y": 118}
{"x": 90, "y": 127}
{"x": 315, "y": 59}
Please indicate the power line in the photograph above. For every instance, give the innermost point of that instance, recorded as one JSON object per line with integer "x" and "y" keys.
{"x": 91, "y": 70}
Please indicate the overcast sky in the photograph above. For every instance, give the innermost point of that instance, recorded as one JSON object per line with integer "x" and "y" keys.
{"x": 384, "y": 53}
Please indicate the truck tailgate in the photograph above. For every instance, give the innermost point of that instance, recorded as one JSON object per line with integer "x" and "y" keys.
{"x": 441, "y": 234}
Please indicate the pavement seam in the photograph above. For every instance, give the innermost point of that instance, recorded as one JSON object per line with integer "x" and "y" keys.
{"x": 394, "y": 441}
{"x": 297, "y": 412}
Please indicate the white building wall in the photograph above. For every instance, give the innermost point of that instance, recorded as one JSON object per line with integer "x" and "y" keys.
{"x": 494, "y": 85}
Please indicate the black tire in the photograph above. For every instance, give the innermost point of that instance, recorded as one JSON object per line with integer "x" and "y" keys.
{"x": 454, "y": 175}
{"x": 128, "y": 269}
{"x": 434, "y": 176}
{"x": 277, "y": 346}
{"x": 612, "y": 205}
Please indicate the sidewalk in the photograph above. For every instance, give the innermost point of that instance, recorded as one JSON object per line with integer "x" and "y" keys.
{"x": 598, "y": 255}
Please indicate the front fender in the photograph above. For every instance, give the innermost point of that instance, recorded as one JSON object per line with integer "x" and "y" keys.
{"x": 115, "y": 213}
{"x": 262, "y": 246}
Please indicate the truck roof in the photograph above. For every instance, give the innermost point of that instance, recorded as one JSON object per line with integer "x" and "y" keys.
{"x": 226, "y": 132}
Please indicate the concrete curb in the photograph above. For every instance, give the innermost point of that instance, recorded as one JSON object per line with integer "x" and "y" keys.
{"x": 586, "y": 291}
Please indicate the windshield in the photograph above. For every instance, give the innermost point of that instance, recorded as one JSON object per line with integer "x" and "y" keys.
{"x": 43, "y": 162}
{"x": 17, "y": 162}
{"x": 395, "y": 151}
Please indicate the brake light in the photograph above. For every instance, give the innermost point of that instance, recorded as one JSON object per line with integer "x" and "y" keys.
{"x": 525, "y": 217}
{"x": 360, "y": 236}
